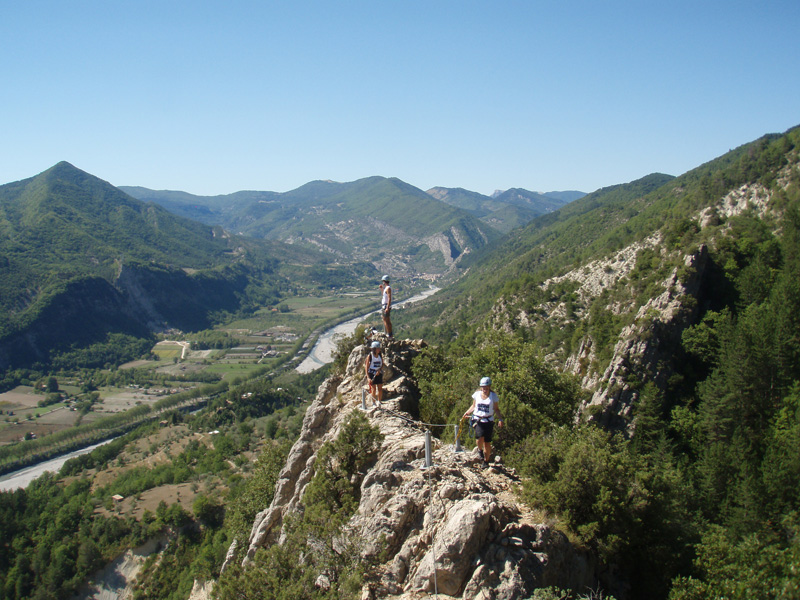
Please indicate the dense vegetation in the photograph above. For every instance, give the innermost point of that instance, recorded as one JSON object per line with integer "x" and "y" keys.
{"x": 315, "y": 540}
{"x": 80, "y": 260}
{"x": 702, "y": 500}
{"x": 709, "y": 485}
{"x": 55, "y": 534}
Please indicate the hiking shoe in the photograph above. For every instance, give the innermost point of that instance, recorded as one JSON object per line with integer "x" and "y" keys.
{"x": 480, "y": 454}
{"x": 484, "y": 465}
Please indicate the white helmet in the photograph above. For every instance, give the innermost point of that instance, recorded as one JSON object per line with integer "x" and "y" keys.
{"x": 375, "y": 345}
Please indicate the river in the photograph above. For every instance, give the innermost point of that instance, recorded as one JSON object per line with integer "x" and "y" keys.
{"x": 322, "y": 352}
{"x": 23, "y": 477}
{"x": 320, "y": 355}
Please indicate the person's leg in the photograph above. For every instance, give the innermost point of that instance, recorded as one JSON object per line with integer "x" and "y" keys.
{"x": 380, "y": 393}
{"x": 387, "y": 324}
{"x": 488, "y": 434}
{"x": 480, "y": 444}
{"x": 480, "y": 438}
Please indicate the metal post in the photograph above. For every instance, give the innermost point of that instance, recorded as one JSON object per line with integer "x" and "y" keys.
{"x": 363, "y": 399}
{"x": 458, "y": 441}
{"x": 428, "y": 461}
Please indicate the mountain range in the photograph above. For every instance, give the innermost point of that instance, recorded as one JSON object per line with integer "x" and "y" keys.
{"x": 77, "y": 250}
{"x": 377, "y": 217}
{"x": 505, "y": 210}
{"x": 643, "y": 342}
{"x": 80, "y": 259}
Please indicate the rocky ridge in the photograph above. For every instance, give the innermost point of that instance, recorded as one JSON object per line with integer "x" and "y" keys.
{"x": 643, "y": 349}
{"x": 451, "y": 528}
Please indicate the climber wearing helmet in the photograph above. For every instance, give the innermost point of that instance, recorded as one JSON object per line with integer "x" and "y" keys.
{"x": 372, "y": 367}
{"x": 485, "y": 405}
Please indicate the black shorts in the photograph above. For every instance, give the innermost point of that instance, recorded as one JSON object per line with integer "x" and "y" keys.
{"x": 385, "y": 311}
{"x": 377, "y": 378}
{"x": 484, "y": 430}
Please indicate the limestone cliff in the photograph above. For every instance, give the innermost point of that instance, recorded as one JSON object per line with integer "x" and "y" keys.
{"x": 450, "y": 528}
{"x": 615, "y": 363}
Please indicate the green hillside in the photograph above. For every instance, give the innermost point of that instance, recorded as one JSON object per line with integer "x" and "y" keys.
{"x": 80, "y": 259}
{"x": 534, "y": 252}
{"x": 398, "y": 227}
{"x": 507, "y": 210}
{"x": 674, "y": 302}
{"x": 539, "y": 202}
{"x": 459, "y": 197}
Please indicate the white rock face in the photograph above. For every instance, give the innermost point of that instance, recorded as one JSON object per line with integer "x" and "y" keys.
{"x": 646, "y": 345}
{"x": 117, "y": 580}
{"x": 642, "y": 351}
{"x": 452, "y": 528}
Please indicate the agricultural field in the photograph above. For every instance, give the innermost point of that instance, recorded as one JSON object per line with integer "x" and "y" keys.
{"x": 20, "y": 414}
{"x": 271, "y": 341}
{"x": 264, "y": 341}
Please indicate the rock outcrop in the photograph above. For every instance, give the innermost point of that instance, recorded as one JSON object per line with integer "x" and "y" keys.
{"x": 116, "y": 581}
{"x": 450, "y": 528}
{"x": 643, "y": 351}
{"x": 645, "y": 348}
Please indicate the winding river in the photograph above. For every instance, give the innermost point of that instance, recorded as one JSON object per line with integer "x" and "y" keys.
{"x": 320, "y": 355}
{"x": 322, "y": 352}
{"x": 21, "y": 478}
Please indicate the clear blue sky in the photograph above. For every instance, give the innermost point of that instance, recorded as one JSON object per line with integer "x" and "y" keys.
{"x": 215, "y": 97}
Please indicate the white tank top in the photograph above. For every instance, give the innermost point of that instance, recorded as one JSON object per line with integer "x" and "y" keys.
{"x": 375, "y": 362}
{"x": 484, "y": 408}
{"x": 385, "y": 299}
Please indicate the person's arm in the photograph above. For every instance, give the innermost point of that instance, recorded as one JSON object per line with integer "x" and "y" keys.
{"x": 469, "y": 410}
{"x": 366, "y": 368}
{"x": 500, "y": 419}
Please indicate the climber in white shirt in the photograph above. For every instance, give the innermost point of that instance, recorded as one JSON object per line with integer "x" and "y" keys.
{"x": 373, "y": 368}
{"x": 485, "y": 405}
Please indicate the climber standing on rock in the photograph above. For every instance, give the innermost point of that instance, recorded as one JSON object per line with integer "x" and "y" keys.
{"x": 386, "y": 304}
{"x": 373, "y": 368}
{"x": 485, "y": 405}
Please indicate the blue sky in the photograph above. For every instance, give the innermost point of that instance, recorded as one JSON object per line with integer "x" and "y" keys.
{"x": 216, "y": 97}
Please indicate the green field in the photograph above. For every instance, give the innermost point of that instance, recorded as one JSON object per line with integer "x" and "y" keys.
{"x": 305, "y": 313}
{"x": 167, "y": 352}
{"x": 234, "y": 370}
{"x": 271, "y": 341}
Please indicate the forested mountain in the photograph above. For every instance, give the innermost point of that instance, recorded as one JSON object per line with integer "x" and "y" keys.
{"x": 506, "y": 210}
{"x": 644, "y": 344}
{"x": 80, "y": 259}
{"x": 674, "y": 302}
{"x": 375, "y": 219}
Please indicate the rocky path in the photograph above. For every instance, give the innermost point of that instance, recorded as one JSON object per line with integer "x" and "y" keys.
{"x": 452, "y": 529}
